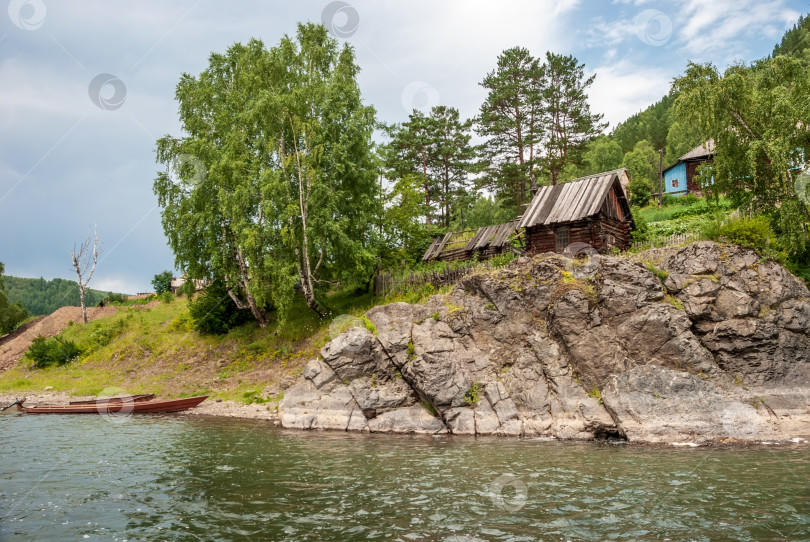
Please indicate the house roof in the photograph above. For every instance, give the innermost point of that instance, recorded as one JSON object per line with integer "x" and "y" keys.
{"x": 496, "y": 236}
{"x": 492, "y": 236}
{"x": 701, "y": 151}
{"x": 571, "y": 201}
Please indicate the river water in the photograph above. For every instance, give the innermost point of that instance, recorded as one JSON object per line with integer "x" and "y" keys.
{"x": 199, "y": 478}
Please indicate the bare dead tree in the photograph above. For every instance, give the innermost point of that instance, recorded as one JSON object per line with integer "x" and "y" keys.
{"x": 84, "y": 262}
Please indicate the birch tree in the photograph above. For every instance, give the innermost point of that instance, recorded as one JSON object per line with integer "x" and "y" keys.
{"x": 759, "y": 117}
{"x": 84, "y": 260}
{"x": 278, "y": 179}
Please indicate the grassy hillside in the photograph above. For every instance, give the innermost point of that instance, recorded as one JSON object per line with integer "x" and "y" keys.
{"x": 153, "y": 348}
{"x": 40, "y": 296}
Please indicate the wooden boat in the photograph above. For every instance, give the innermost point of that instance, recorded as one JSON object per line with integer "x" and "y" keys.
{"x": 123, "y": 407}
{"x": 130, "y": 398}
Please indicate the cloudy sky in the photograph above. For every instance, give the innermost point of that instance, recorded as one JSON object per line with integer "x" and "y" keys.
{"x": 87, "y": 87}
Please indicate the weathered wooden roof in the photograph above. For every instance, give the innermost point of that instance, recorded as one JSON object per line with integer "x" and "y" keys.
{"x": 492, "y": 236}
{"x": 485, "y": 237}
{"x": 569, "y": 202}
{"x": 436, "y": 247}
{"x": 701, "y": 151}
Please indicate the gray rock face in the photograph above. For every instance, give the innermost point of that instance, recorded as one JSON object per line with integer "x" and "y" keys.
{"x": 550, "y": 347}
{"x": 752, "y": 316}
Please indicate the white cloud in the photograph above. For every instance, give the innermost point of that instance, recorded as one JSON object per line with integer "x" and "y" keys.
{"x": 624, "y": 88}
{"x": 563, "y": 6}
{"x": 448, "y": 45}
{"x": 117, "y": 284}
{"x": 711, "y": 27}
{"x": 603, "y": 33}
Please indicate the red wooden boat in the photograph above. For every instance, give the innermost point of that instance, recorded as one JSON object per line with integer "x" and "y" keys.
{"x": 131, "y": 398}
{"x": 122, "y": 407}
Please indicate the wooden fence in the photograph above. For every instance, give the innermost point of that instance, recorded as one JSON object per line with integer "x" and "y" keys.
{"x": 386, "y": 283}
{"x": 667, "y": 241}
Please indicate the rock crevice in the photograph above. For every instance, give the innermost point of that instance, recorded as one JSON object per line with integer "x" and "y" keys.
{"x": 704, "y": 344}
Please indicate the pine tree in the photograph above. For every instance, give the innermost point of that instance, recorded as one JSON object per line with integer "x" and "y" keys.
{"x": 568, "y": 121}
{"x": 511, "y": 120}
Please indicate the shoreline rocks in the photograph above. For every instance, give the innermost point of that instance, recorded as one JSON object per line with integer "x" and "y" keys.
{"x": 709, "y": 345}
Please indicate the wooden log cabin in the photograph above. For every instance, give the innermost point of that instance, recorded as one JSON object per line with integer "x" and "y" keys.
{"x": 485, "y": 242}
{"x": 592, "y": 210}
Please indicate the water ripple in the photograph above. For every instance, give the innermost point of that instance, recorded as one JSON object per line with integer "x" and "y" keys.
{"x": 192, "y": 478}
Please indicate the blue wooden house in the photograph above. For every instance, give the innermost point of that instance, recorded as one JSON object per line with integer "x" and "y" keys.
{"x": 681, "y": 177}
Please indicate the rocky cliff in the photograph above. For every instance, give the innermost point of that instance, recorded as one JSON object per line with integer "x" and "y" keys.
{"x": 706, "y": 343}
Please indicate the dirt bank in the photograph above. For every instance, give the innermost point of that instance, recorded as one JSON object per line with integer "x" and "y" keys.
{"x": 14, "y": 346}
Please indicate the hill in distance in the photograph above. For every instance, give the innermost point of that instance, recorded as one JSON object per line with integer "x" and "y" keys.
{"x": 40, "y": 296}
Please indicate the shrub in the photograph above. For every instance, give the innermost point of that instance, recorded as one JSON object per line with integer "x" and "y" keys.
{"x": 162, "y": 282}
{"x": 473, "y": 395}
{"x": 113, "y": 298}
{"x": 669, "y": 199}
{"x": 189, "y": 288}
{"x": 640, "y": 191}
{"x": 104, "y": 334}
{"x": 213, "y": 312}
{"x": 55, "y": 351}
{"x": 166, "y": 297}
{"x": 642, "y": 231}
{"x": 748, "y": 232}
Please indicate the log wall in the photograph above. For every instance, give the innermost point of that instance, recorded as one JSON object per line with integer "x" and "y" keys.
{"x": 594, "y": 232}
{"x": 691, "y": 177}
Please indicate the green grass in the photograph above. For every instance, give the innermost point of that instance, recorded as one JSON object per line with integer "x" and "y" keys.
{"x": 688, "y": 216}
{"x": 653, "y": 213}
{"x": 154, "y": 348}
{"x": 660, "y": 273}
{"x": 439, "y": 267}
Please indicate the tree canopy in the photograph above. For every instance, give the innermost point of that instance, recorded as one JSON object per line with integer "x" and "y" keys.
{"x": 757, "y": 114}
{"x": 433, "y": 150}
{"x": 274, "y": 184}
{"x": 162, "y": 282}
{"x": 11, "y": 313}
{"x": 537, "y": 121}
{"x": 511, "y": 119}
